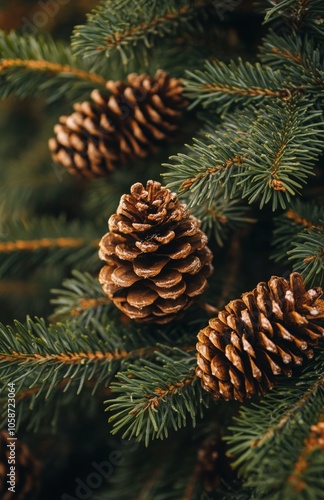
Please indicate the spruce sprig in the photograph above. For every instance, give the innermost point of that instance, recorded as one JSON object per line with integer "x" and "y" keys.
{"x": 155, "y": 397}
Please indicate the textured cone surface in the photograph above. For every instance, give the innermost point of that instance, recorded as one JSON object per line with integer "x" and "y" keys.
{"x": 129, "y": 122}
{"x": 264, "y": 334}
{"x": 156, "y": 255}
{"x": 27, "y": 471}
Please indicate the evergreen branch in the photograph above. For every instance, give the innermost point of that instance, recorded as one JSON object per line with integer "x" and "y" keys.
{"x": 43, "y": 243}
{"x": 220, "y": 85}
{"x": 300, "y": 59}
{"x": 152, "y": 398}
{"x": 258, "y": 155}
{"x": 50, "y": 67}
{"x": 42, "y": 359}
{"x": 277, "y": 162}
{"x": 46, "y": 239}
{"x": 310, "y": 462}
{"x": 115, "y": 29}
{"x": 298, "y": 220}
{"x": 222, "y": 216}
{"x": 268, "y": 436}
{"x": 288, "y": 226}
{"x": 29, "y": 66}
{"x": 300, "y": 15}
{"x": 209, "y": 168}
{"x": 308, "y": 253}
{"x": 82, "y": 297}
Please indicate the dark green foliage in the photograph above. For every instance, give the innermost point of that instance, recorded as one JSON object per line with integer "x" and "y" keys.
{"x": 267, "y": 160}
{"x": 123, "y": 29}
{"x": 222, "y": 85}
{"x": 298, "y": 236}
{"x": 300, "y": 16}
{"x": 24, "y": 245}
{"x": 254, "y": 125}
{"x": 307, "y": 255}
{"x": 82, "y": 296}
{"x": 154, "y": 398}
{"x": 65, "y": 76}
{"x": 267, "y": 442}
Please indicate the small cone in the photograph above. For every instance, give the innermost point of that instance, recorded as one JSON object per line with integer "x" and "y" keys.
{"x": 264, "y": 334}
{"x": 128, "y": 122}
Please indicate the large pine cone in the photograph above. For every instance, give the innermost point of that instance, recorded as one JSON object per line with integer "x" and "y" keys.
{"x": 127, "y": 123}
{"x": 26, "y": 478}
{"x": 157, "y": 258}
{"x": 263, "y": 335}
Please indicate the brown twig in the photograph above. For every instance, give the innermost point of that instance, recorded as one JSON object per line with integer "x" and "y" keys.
{"x": 187, "y": 184}
{"x": 32, "y": 245}
{"x": 159, "y": 393}
{"x": 35, "y": 65}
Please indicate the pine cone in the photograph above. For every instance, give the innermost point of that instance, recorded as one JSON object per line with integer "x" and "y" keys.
{"x": 263, "y": 335}
{"x": 157, "y": 258}
{"x": 26, "y": 473}
{"x": 124, "y": 124}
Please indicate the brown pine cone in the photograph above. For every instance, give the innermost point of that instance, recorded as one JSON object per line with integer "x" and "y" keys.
{"x": 255, "y": 338}
{"x": 25, "y": 477}
{"x": 126, "y": 123}
{"x": 157, "y": 258}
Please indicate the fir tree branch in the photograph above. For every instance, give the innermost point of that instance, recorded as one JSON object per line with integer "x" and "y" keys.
{"x": 308, "y": 253}
{"x": 46, "y": 239}
{"x": 278, "y": 164}
{"x": 268, "y": 436}
{"x": 299, "y": 59}
{"x": 153, "y": 398}
{"x": 82, "y": 297}
{"x": 43, "y": 243}
{"x": 50, "y": 67}
{"x": 222, "y": 216}
{"x": 301, "y": 215}
{"x": 30, "y": 66}
{"x": 298, "y": 14}
{"x": 310, "y": 461}
{"x": 258, "y": 155}
{"x": 220, "y": 85}
{"x": 295, "y": 218}
{"x": 115, "y": 28}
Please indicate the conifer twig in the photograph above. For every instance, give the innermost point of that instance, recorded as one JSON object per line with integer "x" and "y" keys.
{"x": 35, "y": 65}
{"x": 44, "y": 243}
